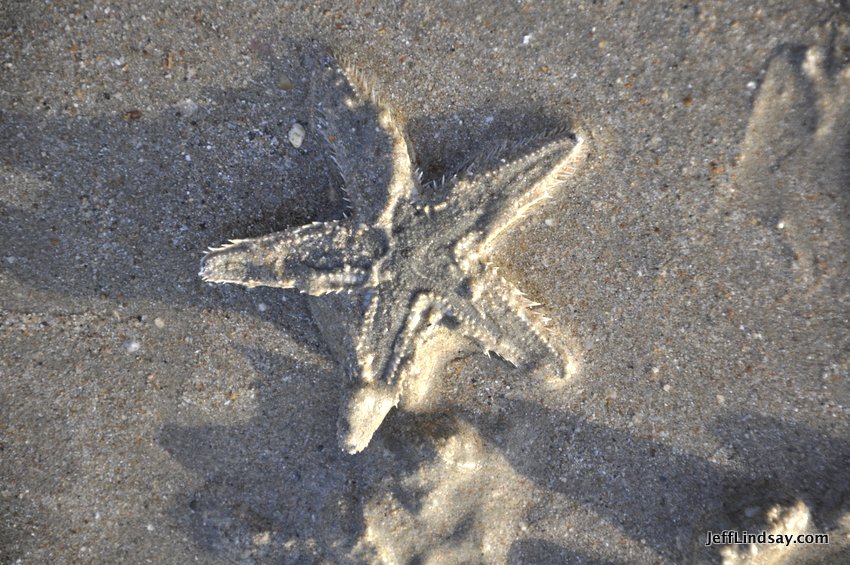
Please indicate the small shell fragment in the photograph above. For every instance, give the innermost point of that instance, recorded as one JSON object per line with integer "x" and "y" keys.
{"x": 296, "y": 135}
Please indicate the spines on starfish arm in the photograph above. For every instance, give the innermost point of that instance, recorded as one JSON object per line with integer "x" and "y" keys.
{"x": 318, "y": 258}
{"x": 387, "y": 337}
{"x": 515, "y": 314}
{"x": 387, "y": 341}
{"x": 338, "y": 171}
{"x": 404, "y": 184}
{"x": 515, "y": 187}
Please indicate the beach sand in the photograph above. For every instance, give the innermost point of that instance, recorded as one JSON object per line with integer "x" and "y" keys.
{"x": 696, "y": 265}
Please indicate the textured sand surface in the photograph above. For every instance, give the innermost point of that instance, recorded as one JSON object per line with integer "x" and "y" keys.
{"x": 698, "y": 265}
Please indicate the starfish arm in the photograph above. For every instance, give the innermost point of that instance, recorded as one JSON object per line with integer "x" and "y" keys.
{"x": 317, "y": 259}
{"x": 356, "y": 159}
{"x": 391, "y": 325}
{"x": 494, "y": 201}
{"x": 548, "y": 167}
{"x": 508, "y": 324}
{"x": 390, "y": 333}
{"x": 404, "y": 182}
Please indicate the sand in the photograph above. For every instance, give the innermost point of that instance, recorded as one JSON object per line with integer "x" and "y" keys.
{"x": 697, "y": 267}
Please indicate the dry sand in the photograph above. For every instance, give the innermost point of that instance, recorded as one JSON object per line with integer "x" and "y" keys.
{"x": 698, "y": 266}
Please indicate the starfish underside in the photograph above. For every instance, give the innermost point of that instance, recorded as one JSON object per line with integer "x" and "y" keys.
{"x": 415, "y": 261}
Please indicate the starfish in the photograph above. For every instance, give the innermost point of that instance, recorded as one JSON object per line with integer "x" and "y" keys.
{"x": 421, "y": 258}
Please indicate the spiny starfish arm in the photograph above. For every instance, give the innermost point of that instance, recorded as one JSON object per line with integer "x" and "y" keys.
{"x": 548, "y": 168}
{"x": 475, "y": 324}
{"x": 388, "y": 340}
{"x": 389, "y": 332}
{"x": 404, "y": 183}
{"x": 505, "y": 195}
{"x": 522, "y": 335}
{"x": 339, "y": 172}
{"x": 317, "y": 259}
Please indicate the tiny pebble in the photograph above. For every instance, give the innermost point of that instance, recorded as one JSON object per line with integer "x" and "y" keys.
{"x": 262, "y": 307}
{"x": 296, "y": 135}
{"x": 550, "y": 222}
{"x": 131, "y": 345}
{"x": 159, "y": 322}
{"x": 721, "y": 399}
{"x": 667, "y": 388}
{"x": 187, "y": 107}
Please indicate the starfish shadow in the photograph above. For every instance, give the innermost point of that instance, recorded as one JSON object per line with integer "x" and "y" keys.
{"x": 480, "y": 132}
